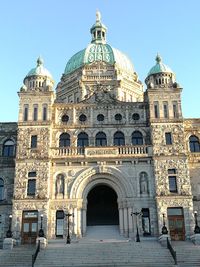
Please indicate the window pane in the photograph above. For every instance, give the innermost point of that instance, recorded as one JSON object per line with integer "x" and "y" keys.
{"x": 119, "y": 139}
{"x": 25, "y": 113}
{"x": 8, "y": 148}
{"x": 44, "y": 113}
{"x": 26, "y": 227}
{"x": 172, "y": 184}
{"x": 82, "y": 140}
{"x": 1, "y": 192}
{"x": 33, "y": 141}
{"x": 59, "y": 226}
{"x": 35, "y": 113}
{"x": 194, "y": 144}
{"x": 64, "y": 140}
{"x": 34, "y": 227}
{"x": 31, "y": 187}
{"x": 174, "y": 211}
{"x": 168, "y": 138}
{"x": 171, "y": 171}
{"x": 101, "y": 139}
{"x": 165, "y": 110}
{"x": 32, "y": 174}
{"x": 137, "y": 138}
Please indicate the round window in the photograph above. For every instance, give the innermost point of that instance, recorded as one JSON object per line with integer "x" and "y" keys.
{"x": 82, "y": 118}
{"x": 136, "y": 116}
{"x": 65, "y": 118}
{"x": 100, "y": 117}
{"x": 118, "y": 117}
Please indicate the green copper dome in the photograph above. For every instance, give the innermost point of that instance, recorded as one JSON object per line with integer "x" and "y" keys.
{"x": 159, "y": 67}
{"x": 98, "y": 50}
{"x": 39, "y": 69}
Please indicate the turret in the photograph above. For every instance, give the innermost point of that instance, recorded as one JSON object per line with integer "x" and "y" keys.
{"x": 163, "y": 92}
{"x": 38, "y": 78}
{"x": 36, "y": 94}
{"x": 160, "y": 75}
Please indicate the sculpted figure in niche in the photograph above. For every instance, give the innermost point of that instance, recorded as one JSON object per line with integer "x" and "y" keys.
{"x": 60, "y": 184}
{"x": 143, "y": 183}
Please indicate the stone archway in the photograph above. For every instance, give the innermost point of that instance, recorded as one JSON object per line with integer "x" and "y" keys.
{"x": 102, "y": 207}
{"x": 110, "y": 177}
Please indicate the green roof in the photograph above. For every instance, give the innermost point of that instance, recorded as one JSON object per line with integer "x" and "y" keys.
{"x": 98, "y": 52}
{"x": 39, "y": 69}
{"x": 159, "y": 67}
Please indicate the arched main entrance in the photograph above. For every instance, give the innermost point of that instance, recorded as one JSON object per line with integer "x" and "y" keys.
{"x": 102, "y": 208}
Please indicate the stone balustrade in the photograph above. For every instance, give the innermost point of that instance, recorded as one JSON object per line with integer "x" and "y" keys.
{"x": 114, "y": 151}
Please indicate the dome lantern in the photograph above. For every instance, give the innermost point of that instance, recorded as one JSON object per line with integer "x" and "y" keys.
{"x": 98, "y": 31}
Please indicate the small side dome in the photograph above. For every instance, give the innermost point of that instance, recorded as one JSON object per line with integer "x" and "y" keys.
{"x": 38, "y": 78}
{"x": 160, "y": 75}
{"x": 159, "y": 67}
{"x": 39, "y": 70}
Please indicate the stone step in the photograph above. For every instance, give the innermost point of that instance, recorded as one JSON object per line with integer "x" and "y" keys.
{"x": 19, "y": 256}
{"x": 148, "y": 253}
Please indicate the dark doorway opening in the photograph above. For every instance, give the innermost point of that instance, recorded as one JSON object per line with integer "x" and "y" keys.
{"x": 102, "y": 208}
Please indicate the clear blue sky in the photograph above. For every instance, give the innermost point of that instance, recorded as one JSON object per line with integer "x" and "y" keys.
{"x": 56, "y": 29}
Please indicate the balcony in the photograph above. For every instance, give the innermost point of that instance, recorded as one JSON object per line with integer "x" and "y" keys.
{"x": 102, "y": 152}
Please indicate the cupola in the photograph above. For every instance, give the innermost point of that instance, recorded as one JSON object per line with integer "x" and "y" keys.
{"x": 38, "y": 78}
{"x": 98, "y": 30}
{"x": 160, "y": 75}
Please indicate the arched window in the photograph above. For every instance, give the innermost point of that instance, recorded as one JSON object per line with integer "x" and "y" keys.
{"x": 137, "y": 138}
{"x": 101, "y": 139}
{"x": 1, "y": 189}
{"x": 8, "y": 148}
{"x": 119, "y": 139}
{"x": 194, "y": 144}
{"x": 64, "y": 140}
{"x": 82, "y": 139}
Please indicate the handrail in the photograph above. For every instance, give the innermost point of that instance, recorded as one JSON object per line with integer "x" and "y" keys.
{"x": 172, "y": 251}
{"x": 34, "y": 256}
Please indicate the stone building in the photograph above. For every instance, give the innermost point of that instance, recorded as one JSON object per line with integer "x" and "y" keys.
{"x": 100, "y": 147}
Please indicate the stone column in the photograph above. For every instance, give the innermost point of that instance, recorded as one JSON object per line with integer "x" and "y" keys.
{"x": 83, "y": 222}
{"x": 121, "y": 221}
{"x": 74, "y": 116}
{"x": 130, "y": 222}
{"x": 75, "y": 221}
{"x": 91, "y": 115}
{"x": 79, "y": 222}
{"x": 125, "y": 222}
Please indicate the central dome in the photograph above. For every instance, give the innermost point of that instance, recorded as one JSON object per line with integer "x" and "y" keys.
{"x": 99, "y": 50}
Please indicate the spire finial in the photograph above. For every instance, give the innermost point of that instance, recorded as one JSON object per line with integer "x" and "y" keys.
{"x": 40, "y": 61}
{"x": 158, "y": 58}
{"x": 98, "y": 16}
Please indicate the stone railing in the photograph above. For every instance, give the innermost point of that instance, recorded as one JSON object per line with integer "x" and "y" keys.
{"x": 94, "y": 152}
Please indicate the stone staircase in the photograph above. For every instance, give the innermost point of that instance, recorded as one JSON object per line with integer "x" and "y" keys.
{"x": 19, "y": 256}
{"x": 188, "y": 255}
{"x": 103, "y": 246}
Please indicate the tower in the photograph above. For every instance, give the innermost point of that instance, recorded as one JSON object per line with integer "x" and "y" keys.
{"x": 32, "y": 159}
{"x": 172, "y": 180}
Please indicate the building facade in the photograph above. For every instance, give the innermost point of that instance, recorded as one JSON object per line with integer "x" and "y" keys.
{"x": 101, "y": 148}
